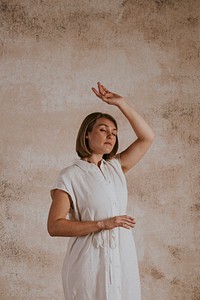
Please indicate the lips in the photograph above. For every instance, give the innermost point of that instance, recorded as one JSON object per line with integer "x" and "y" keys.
{"x": 107, "y": 143}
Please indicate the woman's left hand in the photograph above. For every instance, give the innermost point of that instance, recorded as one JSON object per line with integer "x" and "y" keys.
{"x": 107, "y": 96}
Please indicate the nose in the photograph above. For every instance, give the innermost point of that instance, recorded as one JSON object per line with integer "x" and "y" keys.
{"x": 109, "y": 135}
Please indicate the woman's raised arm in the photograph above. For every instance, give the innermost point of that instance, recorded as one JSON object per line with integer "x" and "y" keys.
{"x": 145, "y": 135}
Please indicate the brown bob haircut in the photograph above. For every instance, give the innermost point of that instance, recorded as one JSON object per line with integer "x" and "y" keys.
{"x": 82, "y": 147}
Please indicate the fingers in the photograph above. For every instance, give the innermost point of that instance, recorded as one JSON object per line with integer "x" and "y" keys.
{"x": 109, "y": 97}
{"x": 118, "y": 221}
{"x": 102, "y": 92}
{"x": 102, "y": 89}
{"x": 96, "y": 93}
{"x": 125, "y": 222}
{"x": 128, "y": 222}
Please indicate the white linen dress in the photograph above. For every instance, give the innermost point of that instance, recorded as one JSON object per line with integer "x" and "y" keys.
{"x": 102, "y": 265}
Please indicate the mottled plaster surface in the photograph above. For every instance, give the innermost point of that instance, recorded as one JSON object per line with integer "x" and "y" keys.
{"x": 51, "y": 53}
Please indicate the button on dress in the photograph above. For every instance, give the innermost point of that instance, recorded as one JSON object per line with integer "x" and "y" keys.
{"x": 101, "y": 265}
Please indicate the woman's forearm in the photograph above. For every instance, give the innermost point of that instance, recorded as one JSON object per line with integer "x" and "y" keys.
{"x": 68, "y": 228}
{"x": 139, "y": 125}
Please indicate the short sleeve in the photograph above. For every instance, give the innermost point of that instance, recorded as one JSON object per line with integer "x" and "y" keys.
{"x": 60, "y": 184}
{"x": 116, "y": 162}
{"x": 64, "y": 182}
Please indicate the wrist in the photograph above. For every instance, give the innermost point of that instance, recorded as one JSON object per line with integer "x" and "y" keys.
{"x": 122, "y": 103}
{"x": 100, "y": 225}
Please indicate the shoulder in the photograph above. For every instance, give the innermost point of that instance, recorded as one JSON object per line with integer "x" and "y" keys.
{"x": 68, "y": 170}
{"x": 114, "y": 162}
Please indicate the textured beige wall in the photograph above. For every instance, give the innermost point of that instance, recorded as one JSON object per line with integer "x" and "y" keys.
{"x": 51, "y": 53}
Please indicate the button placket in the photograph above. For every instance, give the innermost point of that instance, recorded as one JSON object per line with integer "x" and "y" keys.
{"x": 113, "y": 252}
{"x": 115, "y": 284}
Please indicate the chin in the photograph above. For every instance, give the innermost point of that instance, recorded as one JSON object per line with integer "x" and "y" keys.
{"x": 107, "y": 152}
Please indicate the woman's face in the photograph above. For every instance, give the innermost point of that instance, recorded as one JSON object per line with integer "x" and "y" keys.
{"x": 102, "y": 138}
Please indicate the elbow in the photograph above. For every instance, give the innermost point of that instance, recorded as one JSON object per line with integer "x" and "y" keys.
{"x": 51, "y": 233}
{"x": 151, "y": 138}
{"x": 148, "y": 139}
{"x": 51, "y": 229}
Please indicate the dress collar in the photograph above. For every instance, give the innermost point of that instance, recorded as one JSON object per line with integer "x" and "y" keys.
{"x": 86, "y": 166}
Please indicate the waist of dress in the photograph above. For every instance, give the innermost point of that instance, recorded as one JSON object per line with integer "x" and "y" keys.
{"x": 105, "y": 238}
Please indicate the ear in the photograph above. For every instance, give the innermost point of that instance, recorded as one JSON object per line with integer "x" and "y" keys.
{"x": 87, "y": 135}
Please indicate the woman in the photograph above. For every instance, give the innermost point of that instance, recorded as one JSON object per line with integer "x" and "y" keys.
{"x": 101, "y": 261}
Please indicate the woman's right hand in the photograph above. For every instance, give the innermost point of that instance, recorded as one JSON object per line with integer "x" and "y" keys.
{"x": 118, "y": 221}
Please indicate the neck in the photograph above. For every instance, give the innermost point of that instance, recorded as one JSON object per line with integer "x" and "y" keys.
{"x": 94, "y": 158}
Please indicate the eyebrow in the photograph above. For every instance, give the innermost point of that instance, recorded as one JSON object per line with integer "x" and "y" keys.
{"x": 106, "y": 126}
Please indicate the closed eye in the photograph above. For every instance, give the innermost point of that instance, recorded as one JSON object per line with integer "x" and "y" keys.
{"x": 114, "y": 134}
